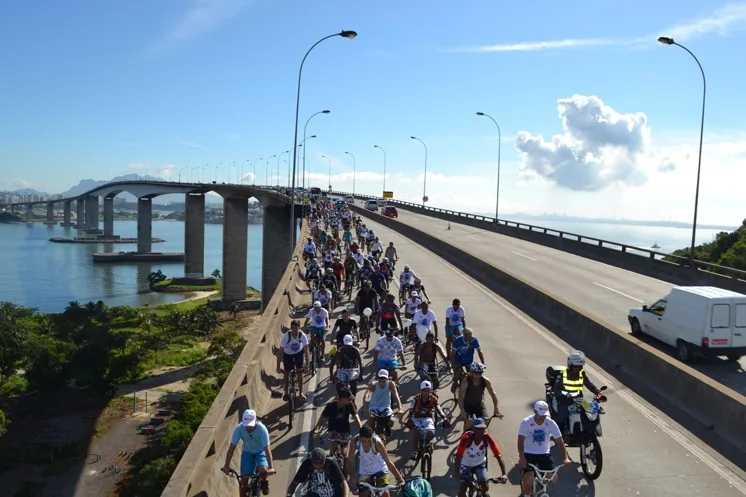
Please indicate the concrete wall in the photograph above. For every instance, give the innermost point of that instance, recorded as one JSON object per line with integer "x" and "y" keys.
{"x": 711, "y": 404}
{"x": 198, "y": 472}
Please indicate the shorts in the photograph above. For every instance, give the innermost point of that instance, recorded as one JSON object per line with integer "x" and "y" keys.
{"x": 317, "y": 331}
{"x": 476, "y": 411}
{"x": 388, "y": 323}
{"x": 250, "y": 463}
{"x": 451, "y": 329}
{"x": 379, "y": 479}
{"x": 427, "y": 369}
{"x": 467, "y": 472}
{"x": 384, "y": 412}
{"x": 544, "y": 462}
{"x": 346, "y": 375}
{"x": 342, "y": 435}
{"x": 375, "y": 253}
{"x": 424, "y": 424}
{"x": 462, "y": 362}
{"x": 293, "y": 361}
{"x": 388, "y": 363}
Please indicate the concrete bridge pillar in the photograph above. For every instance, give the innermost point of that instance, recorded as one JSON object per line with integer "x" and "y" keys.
{"x": 80, "y": 222}
{"x": 67, "y": 213}
{"x": 109, "y": 216}
{"x": 194, "y": 236}
{"x": 50, "y": 212}
{"x": 144, "y": 225}
{"x": 275, "y": 249}
{"x": 29, "y": 213}
{"x": 235, "y": 245}
{"x": 91, "y": 211}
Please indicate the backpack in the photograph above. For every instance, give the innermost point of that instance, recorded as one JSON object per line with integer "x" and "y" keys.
{"x": 417, "y": 487}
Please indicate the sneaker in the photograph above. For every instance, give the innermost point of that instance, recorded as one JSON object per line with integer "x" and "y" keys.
{"x": 265, "y": 487}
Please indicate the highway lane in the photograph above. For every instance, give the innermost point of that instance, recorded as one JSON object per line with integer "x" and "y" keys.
{"x": 603, "y": 291}
{"x": 645, "y": 452}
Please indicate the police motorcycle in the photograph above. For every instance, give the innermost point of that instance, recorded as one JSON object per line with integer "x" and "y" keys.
{"x": 583, "y": 426}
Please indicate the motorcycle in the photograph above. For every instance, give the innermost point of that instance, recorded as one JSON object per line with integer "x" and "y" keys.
{"x": 583, "y": 426}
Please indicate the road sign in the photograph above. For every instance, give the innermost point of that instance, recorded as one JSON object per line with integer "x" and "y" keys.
{"x": 425, "y": 199}
{"x": 388, "y": 194}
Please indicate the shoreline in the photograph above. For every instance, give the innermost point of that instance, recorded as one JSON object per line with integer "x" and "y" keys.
{"x": 194, "y": 296}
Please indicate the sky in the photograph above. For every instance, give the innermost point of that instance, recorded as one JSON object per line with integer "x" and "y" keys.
{"x": 596, "y": 118}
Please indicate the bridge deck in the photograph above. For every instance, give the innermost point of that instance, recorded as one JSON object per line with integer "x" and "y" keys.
{"x": 645, "y": 452}
{"x": 604, "y": 291}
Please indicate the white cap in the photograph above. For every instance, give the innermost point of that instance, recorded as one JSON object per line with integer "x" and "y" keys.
{"x": 415, "y": 294}
{"x": 249, "y": 418}
{"x": 426, "y": 384}
{"x": 347, "y": 340}
{"x": 317, "y": 304}
{"x": 383, "y": 374}
{"x": 541, "y": 408}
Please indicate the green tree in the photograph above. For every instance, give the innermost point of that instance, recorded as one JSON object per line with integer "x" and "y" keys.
{"x": 4, "y": 423}
{"x": 205, "y": 319}
{"x": 228, "y": 343}
{"x": 156, "y": 277}
{"x": 14, "y": 333}
{"x": 152, "y": 478}
{"x": 49, "y": 361}
{"x": 216, "y": 274}
{"x": 176, "y": 437}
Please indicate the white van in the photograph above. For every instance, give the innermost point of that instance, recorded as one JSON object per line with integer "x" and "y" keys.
{"x": 371, "y": 205}
{"x": 349, "y": 199}
{"x": 697, "y": 320}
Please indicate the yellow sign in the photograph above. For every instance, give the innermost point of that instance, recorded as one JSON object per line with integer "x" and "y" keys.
{"x": 388, "y": 194}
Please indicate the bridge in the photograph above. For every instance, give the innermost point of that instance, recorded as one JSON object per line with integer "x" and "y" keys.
{"x": 276, "y": 227}
{"x": 669, "y": 428}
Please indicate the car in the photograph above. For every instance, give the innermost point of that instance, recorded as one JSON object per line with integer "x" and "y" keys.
{"x": 390, "y": 211}
{"x": 371, "y": 205}
{"x": 381, "y": 202}
{"x": 350, "y": 199}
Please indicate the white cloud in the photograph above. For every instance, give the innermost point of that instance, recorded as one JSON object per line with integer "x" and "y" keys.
{"x": 721, "y": 22}
{"x": 192, "y": 144}
{"x": 599, "y": 147}
{"x": 203, "y": 16}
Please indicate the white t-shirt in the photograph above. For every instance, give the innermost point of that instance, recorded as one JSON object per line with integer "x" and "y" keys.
{"x": 329, "y": 256}
{"x": 292, "y": 346}
{"x": 412, "y": 305}
{"x": 537, "y": 435}
{"x": 359, "y": 258}
{"x": 455, "y": 317}
{"x": 388, "y": 351}
{"x": 424, "y": 319}
{"x": 318, "y": 319}
{"x": 406, "y": 276}
{"x": 376, "y": 246}
{"x": 322, "y": 297}
{"x": 310, "y": 248}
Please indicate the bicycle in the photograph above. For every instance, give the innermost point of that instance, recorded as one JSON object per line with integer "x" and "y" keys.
{"x": 457, "y": 379}
{"x": 474, "y": 489}
{"x": 252, "y": 487}
{"x": 337, "y": 453}
{"x": 378, "y": 491}
{"x": 542, "y": 479}
{"x": 292, "y": 388}
{"x": 424, "y": 453}
{"x": 316, "y": 355}
{"x": 433, "y": 371}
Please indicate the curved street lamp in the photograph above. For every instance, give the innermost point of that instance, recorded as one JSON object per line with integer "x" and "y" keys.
{"x": 278, "y": 166}
{"x": 266, "y": 171}
{"x": 303, "y": 179}
{"x": 254, "y": 166}
{"x": 670, "y": 41}
{"x": 384, "y": 166}
{"x": 330, "y": 168}
{"x": 344, "y": 34}
{"x": 354, "y": 169}
{"x": 499, "y": 143}
{"x": 424, "y": 179}
{"x": 241, "y": 177}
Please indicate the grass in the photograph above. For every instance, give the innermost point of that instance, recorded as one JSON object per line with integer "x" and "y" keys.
{"x": 168, "y": 286}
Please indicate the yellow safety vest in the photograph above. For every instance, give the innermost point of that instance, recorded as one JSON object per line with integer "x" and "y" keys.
{"x": 569, "y": 385}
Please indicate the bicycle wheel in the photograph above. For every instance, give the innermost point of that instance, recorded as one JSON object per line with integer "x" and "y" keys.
{"x": 312, "y": 366}
{"x": 291, "y": 405}
{"x": 426, "y": 466}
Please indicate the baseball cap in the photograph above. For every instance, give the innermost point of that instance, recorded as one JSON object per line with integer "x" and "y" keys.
{"x": 415, "y": 294}
{"x": 425, "y": 384}
{"x": 249, "y": 418}
{"x": 478, "y": 423}
{"x": 317, "y": 304}
{"x": 541, "y": 408}
{"x": 347, "y": 340}
{"x": 389, "y": 331}
{"x": 383, "y": 373}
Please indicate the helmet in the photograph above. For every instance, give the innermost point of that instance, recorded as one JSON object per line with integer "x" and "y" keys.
{"x": 576, "y": 358}
{"x": 329, "y": 270}
{"x": 417, "y": 281}
{"x": 406, "y": 266}
{"x": 385, "y": 259}
{"x": 477, "y": 367}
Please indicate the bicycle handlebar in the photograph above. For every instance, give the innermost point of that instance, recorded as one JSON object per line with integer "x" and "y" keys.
{"x": 546, "y": 474}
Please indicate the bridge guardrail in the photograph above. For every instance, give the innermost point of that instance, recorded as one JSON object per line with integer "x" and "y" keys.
{"x": 653, "y": 255}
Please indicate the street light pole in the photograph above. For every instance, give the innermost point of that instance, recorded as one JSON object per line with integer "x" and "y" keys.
{"x": 670, "y": 41}
{"x": 303, "y": 179}
{"x": 354, "y": 170}
{"x": 330, "y": 168}
{"x": 344, "y": 34}
{"x": 244, "y": 162}
{"x": 254, "y": 165}
{"x": 278, "y": 166}
{"x": 266, "y": 172}
{"x": 499, "y": 146}
{"x": 384, "y": 166}
{"x": 424, "y": 180}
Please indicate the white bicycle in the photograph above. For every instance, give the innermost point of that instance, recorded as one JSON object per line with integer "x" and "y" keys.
{"x": 377, "y": 491}
{"x": 542, "y": 478}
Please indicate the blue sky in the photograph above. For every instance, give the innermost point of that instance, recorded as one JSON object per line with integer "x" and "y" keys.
{"x": 93, "y": 89}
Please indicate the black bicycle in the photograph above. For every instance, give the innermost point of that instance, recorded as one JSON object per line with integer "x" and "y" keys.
{"x": 337, "y": 453}
{"x": 292, "y": 389}
{"x": 474, "y": 489}
{"x": 252, "y": 486}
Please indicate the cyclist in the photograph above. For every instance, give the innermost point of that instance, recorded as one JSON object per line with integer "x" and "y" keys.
{"x": 426, "y": 357}
{"x": 330, "y": 283}
{"x": 319, "y": 319}
{"x": 534, "y": 445}
{"x": 411, "y": 304}
{"x": 420, "y": 288}
{"x": 349, "y": 364}
{"x": 406, "y": 277}
{"x": 319, "y": 473}
{"x": 389, "y": 315}
{"x": 294, "y": 348}
{"x": 471, "y": 457}
{"x": 378, "y": 398}
{"x": 343, "y": 327}
{"x": 376, "y": 248}
{"x": 359, "y": 257}
{"x": 471, "y": 395}
{"x": 387, "y": 352}
{"x": 391, "y": 254}
{"x": 313, "y": 273}
{"x": 368, "y": 462}
{"x": 366, "y": 297}
{"x": 354, "y": 246}
{"x": 347, "y": 236}
{"x": 423, "y": 319}
{"x": 338, "y": 270}
{"x": 421, "y": 415}
{"x": 455, "y": 322}
{"x": 462, "y": 353}
{"x": 256, "y": 453}
{"x": 378, "y": 281}
{"x": 323, "y": 296}
{"x": 337, "y": 414}
{"x": 309, "y": 249}
{"x": 387, "y": 269}
{"x": 329, "y": 254}
{"x": 351, "y": 269}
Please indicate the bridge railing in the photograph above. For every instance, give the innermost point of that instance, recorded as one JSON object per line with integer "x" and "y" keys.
{"x": 457, "y": 216}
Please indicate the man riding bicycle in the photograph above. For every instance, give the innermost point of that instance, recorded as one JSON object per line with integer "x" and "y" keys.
{"x": 424, "y": 318}
{"x": 349, "y": 364}
{"x": 471, "y": 457}
{"x": 378, "y": 281}
{"x": 368, "y": 462}
{"x": 455, "y": 322}
{"x": 462, "y": 353}
{"x": 256, "y": 453}
{"x": 389, "y": 315}
{"x": 378, "y": 399}
{"x": 337, "y": 414}
{"x": 309, "y": 249}
{"x": 534, "y": 444}
{"x": 420, "y": 418}
{"x": 411, "y": 304}
{"x": 293, "y": 351}
{"x": 323, "y": 296}
{"x": 343, "y": 327}
{"x": 471, "y": 395}
{"x": 426, "y": 357}
{"x": 313, "y": 273}
{"x": 387, "y": 352}
{"x": 319, "y": 473}
{"x": 406, "y": 279}
{"x": 317, "y": 322}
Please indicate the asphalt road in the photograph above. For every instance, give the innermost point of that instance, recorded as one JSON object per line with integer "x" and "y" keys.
{"x": 603, "y": 291}
{"x": 645, "y": 452}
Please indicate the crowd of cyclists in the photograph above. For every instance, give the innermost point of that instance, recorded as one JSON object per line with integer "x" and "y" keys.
{"x": 348, "y": 266}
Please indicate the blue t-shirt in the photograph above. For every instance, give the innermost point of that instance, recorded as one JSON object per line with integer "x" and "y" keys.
{"x": 376, "y": 280}
{"x": 464, "y": 352}
{"x": 255, "y": 441}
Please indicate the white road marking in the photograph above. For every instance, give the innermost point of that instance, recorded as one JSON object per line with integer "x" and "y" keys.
{"x": 305, "y": 438}
{"x": 522, "y": 255}
{"x": 661, "y": 423}
{"x": 617, "y": 291}
{"x": 472, "y": 237}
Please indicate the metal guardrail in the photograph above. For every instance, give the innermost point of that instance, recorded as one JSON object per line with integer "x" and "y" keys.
{"x": 621, "y": 247}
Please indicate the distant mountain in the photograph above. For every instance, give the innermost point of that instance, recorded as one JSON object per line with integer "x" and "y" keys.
{"x": 89, "y": 184}
{"x": 30, "y": 191}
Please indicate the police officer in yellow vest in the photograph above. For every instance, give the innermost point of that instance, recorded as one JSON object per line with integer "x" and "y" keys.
{"x": 570, "y": 384}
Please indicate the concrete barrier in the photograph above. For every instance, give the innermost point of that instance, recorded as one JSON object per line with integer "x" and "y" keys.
{"x": 198, "y": 473}
{"x": 711, "y": 404}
